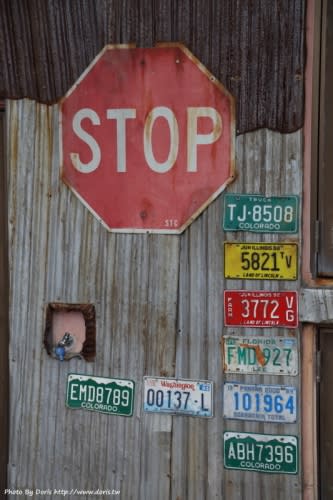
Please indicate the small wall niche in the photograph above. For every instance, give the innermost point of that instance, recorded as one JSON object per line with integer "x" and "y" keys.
{"x": 70, "y": 331}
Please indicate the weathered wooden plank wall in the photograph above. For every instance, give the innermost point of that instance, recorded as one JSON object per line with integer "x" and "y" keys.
{"x": 159, "y": 312}
{"x": 255, "y": 48}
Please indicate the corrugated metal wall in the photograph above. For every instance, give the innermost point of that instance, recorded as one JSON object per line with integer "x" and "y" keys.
{"x": 159, "y": 312}
{"x": 158, "y": 298}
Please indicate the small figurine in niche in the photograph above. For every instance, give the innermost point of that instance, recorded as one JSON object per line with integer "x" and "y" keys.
{"x": 62, "y": 349}
{"x": 70, "y": 331}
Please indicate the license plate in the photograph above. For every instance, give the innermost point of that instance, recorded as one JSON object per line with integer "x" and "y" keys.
{"x": 261, "y": 452}
{"x": 260, "y": 308}
{"x": 264, "y": 403}
{"x": 260, "y": 261}
{"x": 267, "y": 355}
{"x": 178, "y": 396}
{"x": 276, "y": 214}
{"x": 104, "y": 395}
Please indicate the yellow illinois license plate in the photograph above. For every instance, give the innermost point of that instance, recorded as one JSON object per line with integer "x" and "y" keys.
{"x": 275, "y": 261}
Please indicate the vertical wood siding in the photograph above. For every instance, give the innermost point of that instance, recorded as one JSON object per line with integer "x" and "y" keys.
{"x": 159, "y": 310}
{"x": 255, "y": 48}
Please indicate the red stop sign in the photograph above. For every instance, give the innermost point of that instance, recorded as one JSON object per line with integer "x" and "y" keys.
{"x": 147, "y": 138}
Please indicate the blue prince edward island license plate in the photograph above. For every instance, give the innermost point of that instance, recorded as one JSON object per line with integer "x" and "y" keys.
{"x": 265, "y": 403}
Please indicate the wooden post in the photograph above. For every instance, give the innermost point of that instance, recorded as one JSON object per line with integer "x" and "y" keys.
{"x": 4, "y": 320}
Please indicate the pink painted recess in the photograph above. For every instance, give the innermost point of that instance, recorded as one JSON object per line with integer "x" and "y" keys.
{"x": 71, "y": 322}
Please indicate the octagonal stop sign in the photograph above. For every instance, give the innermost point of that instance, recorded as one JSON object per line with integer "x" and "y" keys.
{"x": 147, "y": 138}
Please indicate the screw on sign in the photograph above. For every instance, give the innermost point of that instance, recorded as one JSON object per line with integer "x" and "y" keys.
{"x": 147, "y": 138}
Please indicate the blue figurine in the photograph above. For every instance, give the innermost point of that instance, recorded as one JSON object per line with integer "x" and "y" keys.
{"x": 60, "y": 352}
{"x": 63, "y": 345}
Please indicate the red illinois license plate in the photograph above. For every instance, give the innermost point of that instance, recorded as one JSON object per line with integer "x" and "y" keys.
{"x": 260, "y": 308}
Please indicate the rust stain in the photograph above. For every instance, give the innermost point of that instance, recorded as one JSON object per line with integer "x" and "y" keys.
{"x": 259, "y": 354}
{"x": 222, "y": 354}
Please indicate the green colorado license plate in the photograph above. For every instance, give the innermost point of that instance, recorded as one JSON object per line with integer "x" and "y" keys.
{"x": 274, "y": 214}
{"x": 104, "y": 395}
{"x": 261, "y": 452}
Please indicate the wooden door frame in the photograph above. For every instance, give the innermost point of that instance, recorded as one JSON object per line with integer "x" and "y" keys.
{"x": 4, "y": 312}
{"x": 325, "y": 400}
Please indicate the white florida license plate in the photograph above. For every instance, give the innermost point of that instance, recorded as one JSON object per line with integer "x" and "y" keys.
{"x": 269, "y": 355}
{"x": 178, "y": 396}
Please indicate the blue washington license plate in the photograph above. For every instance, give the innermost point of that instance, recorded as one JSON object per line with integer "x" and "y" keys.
{"x": 178, "y": 396}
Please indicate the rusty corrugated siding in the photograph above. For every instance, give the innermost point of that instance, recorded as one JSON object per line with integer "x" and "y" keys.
{"x": 256, "y": 47}
{"x": 159, "y": 311}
